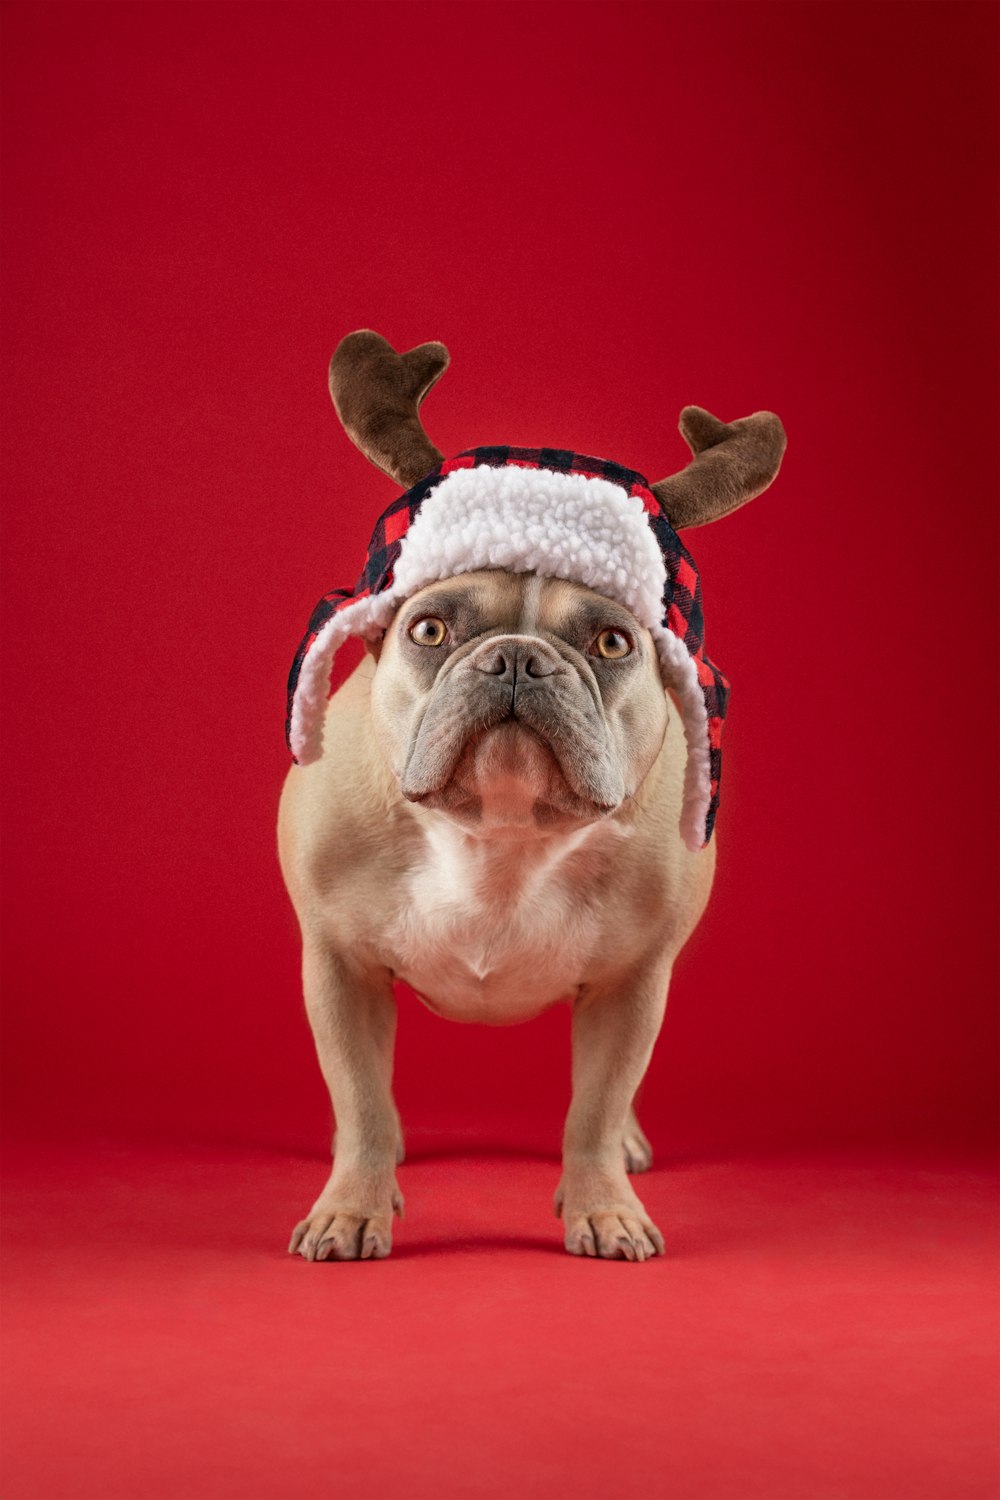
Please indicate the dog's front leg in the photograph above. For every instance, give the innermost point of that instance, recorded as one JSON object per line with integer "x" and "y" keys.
{"x": 614, "y": 1028}
{"x": 353, "y": 1017}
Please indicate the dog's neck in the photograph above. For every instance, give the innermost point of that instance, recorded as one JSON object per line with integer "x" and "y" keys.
{"x": 504, "y": 860}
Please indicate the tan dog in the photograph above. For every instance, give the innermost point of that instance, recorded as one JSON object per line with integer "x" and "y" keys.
{"x": 499, "y": 828}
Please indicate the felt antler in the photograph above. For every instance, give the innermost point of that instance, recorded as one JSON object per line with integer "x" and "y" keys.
{"x": 732, "y": 463}
{"x": 378, "y": 392}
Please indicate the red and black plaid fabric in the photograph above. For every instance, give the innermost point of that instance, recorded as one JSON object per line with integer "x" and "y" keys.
{"x": 682, "y": 608}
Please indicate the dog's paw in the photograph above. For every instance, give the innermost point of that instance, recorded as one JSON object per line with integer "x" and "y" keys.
{"x": 606, "y": 1221}
{"x": 339, "y": 1228}
{"x": 638, "y": 1153}
{"x": 613, "y": 1234}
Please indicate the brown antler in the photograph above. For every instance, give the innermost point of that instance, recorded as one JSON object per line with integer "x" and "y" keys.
{"x": 733, "y": 462}
{"x": 378, "y": 392}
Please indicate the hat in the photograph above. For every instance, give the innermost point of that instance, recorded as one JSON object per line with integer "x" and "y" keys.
{"x": 548, "y": 511}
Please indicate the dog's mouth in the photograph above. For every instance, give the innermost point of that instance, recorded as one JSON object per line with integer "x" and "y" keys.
{"x": 510, "y": 773}
{"x": 510, "y": 751}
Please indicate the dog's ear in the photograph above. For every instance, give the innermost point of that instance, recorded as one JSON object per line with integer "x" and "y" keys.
{"x": 378, "y": 392}
{"x": 733, "y": 462}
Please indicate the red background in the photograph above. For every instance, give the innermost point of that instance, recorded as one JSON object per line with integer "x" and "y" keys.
{"x": 605, "y": 211}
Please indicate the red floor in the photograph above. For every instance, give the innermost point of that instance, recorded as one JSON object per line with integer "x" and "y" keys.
{"x": 821, "y": 1329}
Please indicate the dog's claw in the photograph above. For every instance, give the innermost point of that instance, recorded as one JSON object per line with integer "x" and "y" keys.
{"x": 581, "y": 1244}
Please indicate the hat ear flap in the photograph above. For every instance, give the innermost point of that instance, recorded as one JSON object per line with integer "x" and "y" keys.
{"x": 680, "y": 675}
{"x": 309, "y": 680}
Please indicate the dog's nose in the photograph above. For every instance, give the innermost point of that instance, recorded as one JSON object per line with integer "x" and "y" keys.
{"x": 509, "y": 657}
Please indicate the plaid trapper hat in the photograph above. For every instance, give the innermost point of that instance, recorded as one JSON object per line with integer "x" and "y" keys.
{"x": 554, "y": 513}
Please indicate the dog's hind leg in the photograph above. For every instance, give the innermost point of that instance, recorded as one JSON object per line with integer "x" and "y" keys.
{"x": 638, "y": 1151}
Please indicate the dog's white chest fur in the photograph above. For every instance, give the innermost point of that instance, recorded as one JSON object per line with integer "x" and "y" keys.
{"x": 496, "y": 930}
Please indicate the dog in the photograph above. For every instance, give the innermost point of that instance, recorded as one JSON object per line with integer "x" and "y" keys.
{"x": 516, "y": 803}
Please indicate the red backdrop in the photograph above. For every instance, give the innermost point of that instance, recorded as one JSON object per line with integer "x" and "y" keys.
{"x": 605, "y": 211}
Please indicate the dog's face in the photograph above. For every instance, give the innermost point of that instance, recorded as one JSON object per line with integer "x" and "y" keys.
{"x": 511, "y": 700}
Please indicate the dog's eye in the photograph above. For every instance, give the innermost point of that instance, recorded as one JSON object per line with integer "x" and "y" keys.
{"x": 429, "y": 632}
{"x": 611, "y": 644}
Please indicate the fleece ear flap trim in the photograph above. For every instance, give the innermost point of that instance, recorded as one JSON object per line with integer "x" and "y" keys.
{"x": 559, "y": 515}
{"x": 367, "y": 618}
{"x": 680, "y": 674}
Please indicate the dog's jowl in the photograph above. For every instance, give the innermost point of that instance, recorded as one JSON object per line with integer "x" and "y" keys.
{"x": 510, "y": 803}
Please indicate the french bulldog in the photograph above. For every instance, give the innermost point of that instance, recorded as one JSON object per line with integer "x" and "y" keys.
{"x": 499, "y": 822}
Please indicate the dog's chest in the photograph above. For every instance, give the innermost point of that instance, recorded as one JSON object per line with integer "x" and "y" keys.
{"x": 487, "y": 934}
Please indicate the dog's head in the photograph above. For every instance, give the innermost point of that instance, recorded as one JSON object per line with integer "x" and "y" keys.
{"x": 527, "y": 609}
{"x": 509, "y": 699}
